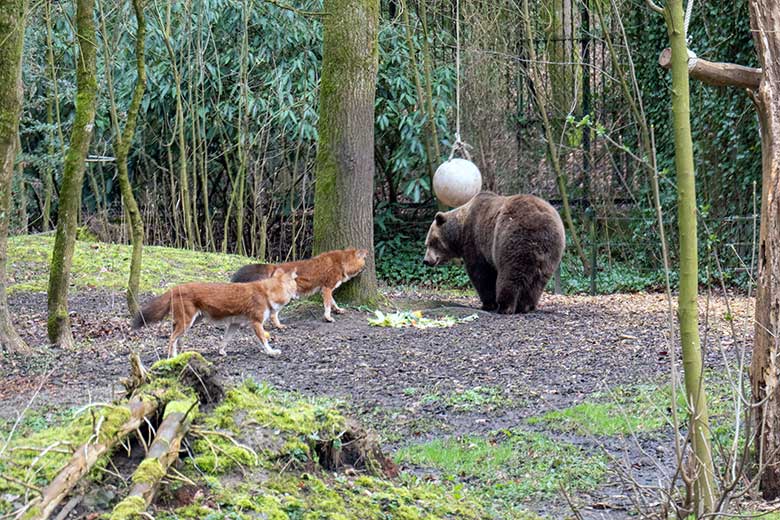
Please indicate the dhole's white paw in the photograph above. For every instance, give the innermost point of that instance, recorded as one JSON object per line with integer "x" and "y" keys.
{"x": 222, "y": 352}
{"x": 273, "y": 352}
{"x": 281, "y": 326}
{"x": 328, "y": 318}
{"x": 338, "y": 310}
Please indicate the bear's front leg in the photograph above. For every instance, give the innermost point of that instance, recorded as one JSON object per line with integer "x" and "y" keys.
{"x": 483, "y": 278}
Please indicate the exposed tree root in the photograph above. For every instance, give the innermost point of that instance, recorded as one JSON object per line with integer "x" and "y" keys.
{"x": 358, "y": 449}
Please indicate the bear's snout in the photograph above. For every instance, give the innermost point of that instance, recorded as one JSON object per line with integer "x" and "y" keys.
{"x": 430, "y": 259}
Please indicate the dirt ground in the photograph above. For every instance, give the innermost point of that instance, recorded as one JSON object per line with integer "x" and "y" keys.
{"x": 570, "y": 348}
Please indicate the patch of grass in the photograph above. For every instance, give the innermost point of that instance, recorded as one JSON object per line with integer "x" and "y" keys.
{"x": 478, "y": 398}
{"x": 509, "y": 467}
{"x": 639, "y": 409}
{"x": 98, "y": 264}
{"x": 397, "y": 425}
{"x": 484, "y": 398}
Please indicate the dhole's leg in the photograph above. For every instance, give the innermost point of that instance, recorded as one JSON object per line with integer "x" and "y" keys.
{"x": 260, "y": 332}
{"x": 183, "y": 318}
{"x": 275, "y": 319}
{"x": 179, "y": 328}
{"x": 231, "y": 328}
{"x": 327, "y": 300}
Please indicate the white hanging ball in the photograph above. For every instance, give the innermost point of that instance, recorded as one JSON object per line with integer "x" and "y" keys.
{"x": 456, "y": 181}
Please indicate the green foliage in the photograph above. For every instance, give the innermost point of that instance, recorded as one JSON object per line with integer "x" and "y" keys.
{"x": 723, "y": 121}
{"x": 399, "y": 262}
{"x": 510, "y": 466}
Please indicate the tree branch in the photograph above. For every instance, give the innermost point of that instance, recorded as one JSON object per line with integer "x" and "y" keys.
{"x": 717, "y": 74}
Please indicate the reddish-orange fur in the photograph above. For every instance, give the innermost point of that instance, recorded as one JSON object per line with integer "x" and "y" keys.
{"x": 325, "y": 272}
{"x": 252, "y": 302}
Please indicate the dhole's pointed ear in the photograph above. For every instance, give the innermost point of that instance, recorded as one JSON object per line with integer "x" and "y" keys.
{"x": 277, "y": 272}
{"x": 294, "y": 274}
{"x": 440, "y": 218}
{"x": 361, "y": 253}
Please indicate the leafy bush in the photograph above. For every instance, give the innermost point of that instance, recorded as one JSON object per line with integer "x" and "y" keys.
{"x": 399, "y": 262}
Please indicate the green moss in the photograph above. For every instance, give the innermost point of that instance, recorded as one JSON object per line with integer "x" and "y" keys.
{"x": 37, "y": 457}
{"x": 33, "y": 512}
{"x": 311, "y": 497}
{"x": 296, "y": 423}
{"x": 148, "y": 471}
{"x": 172, "y": 367}
{"x": 182, "y": 406}
{"x": 97, "y": 264}
{"x": 283, "y": 429}
{"x": 128, "y": 509}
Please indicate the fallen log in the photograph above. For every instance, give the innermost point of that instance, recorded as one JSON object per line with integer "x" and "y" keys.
{"x": 111, "y": 428}
{"x": 162, "y": 453}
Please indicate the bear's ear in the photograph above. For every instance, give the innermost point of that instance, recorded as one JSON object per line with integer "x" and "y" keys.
{"x": 440, "y": 219}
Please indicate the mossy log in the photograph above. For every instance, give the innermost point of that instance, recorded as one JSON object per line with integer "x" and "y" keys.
{"x": 162, "y": 453}
{"x": 116, "y": 425}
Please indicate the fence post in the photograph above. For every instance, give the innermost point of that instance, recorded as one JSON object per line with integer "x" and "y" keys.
{"x": 591, "y": 218}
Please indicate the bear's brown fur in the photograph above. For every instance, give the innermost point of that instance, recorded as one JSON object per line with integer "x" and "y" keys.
{"x": 510, "y": 246}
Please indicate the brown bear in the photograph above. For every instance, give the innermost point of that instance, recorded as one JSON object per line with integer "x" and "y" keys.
{"x": 510, "y": 246}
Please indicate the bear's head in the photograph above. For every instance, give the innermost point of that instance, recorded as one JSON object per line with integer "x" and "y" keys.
{"x": 442, "y": 243}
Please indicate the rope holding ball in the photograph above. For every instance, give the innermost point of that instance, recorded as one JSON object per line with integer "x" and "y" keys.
{"x": 457, "y": 180}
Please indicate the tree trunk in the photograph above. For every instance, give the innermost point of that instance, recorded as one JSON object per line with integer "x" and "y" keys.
{"x": 123, "y": 139}
{"x": 73, "y": 175}
{"x": 343, "y": 201}
{"x": 688, "y": 311}
{"x": 765, "y": 25}
{"x": 12, "y": 18}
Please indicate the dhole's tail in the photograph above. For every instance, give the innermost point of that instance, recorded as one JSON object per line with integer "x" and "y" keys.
{"x": 153, "y": 311}
{"x": 252, "y": 273}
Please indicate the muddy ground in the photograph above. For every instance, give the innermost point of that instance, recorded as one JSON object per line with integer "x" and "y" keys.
{"x": 570, "y": 348}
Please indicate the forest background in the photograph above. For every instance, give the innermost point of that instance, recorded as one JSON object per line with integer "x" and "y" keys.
{"x": 224, "y": 151}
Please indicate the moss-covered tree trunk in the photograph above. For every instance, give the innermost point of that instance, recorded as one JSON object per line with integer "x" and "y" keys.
{"x": 343, "y": 201}
{"x": 123, "y": 138}
{"x": 73, "y": 174}
{"x": 765, "y": 25}
{"x": 687, "y": 303}
{"x": 12, "y": 17}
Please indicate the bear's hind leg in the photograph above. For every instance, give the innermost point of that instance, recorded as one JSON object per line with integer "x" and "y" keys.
{"x": 531, "y": 294}
{"x": 508, "y": 291}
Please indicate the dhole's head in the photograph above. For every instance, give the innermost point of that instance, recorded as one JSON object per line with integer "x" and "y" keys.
{"x": 287, "y": 281}
{"x": 355, "y": 261}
